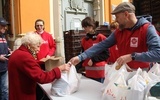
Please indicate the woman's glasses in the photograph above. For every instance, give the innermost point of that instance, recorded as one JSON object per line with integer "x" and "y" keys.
{"x": 39, "y": 25}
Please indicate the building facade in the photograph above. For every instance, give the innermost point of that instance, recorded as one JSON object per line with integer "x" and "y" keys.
{"x": 59, "y": 16}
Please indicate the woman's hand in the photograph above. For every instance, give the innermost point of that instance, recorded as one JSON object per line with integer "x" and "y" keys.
{"x": 48, "y": 56}
{"x": 65, "y": 67}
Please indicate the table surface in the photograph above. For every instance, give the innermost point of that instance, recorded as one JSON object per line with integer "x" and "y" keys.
{"x": 88, "y": 90}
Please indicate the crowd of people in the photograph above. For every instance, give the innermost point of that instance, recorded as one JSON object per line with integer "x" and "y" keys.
{"x": 4, "y": 50}
{"x": 134, "y": 40}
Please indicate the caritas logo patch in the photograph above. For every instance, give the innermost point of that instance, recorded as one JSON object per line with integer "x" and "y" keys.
{"x": 134, "y": 42}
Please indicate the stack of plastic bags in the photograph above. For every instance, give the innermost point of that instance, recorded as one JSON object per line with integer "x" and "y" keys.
{"x": 153, "y": 87}
{"x": 123, "y": 85}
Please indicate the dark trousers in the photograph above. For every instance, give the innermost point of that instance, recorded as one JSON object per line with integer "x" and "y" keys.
{"x": 40, "y": 95}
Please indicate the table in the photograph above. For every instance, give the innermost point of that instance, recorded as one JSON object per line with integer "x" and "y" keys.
{"x": 88, "y": 90}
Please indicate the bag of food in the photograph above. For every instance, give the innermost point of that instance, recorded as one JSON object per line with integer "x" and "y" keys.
{"x": 67, "y": 84}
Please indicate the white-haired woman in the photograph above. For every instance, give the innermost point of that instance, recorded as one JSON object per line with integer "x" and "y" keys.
{"x": 25, "y": 72}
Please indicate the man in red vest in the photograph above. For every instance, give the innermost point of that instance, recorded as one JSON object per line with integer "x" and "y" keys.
{"x": 137, "y": 40}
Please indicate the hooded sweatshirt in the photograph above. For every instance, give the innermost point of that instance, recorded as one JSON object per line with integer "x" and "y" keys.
{"x": 3, "y": 51}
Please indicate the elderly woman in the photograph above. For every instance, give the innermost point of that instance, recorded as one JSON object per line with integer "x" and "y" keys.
{"x": 25, "y": 72}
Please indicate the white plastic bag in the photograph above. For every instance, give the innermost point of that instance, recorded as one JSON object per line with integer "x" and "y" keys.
{"x": 107, "y": 68}
{"x": 67, "y": 84}
{"x": 115, "y": 88}
{"x": 154, "y": 72}
{"x": 111, "y": 72}
{"x": 115, "y": 83}
{"x": 147, "y": 91}
{"x": 146, "y": 77}
{"x": 118, "y": 89}
{"x": 137, "y": 85}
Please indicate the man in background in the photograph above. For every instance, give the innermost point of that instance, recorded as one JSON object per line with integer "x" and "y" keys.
{"x": 4, "y": 51}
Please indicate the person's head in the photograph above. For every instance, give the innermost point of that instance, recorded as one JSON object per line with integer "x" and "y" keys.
{"x": 3, "y": 25}
{"x": 113, "y": 26}
{"x": 125, "y": 15}
{"x": 39, "y": 25}
{"x": 32, "y": 41}
{"x": 89, "y": 24}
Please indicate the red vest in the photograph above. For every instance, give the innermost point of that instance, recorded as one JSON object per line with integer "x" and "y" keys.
{"x": 113, "y": 54}
{"x": 98, "y": 69}
{"x": 133, "y": 41}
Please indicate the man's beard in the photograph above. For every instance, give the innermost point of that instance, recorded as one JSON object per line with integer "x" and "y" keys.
{"x": 121, "y": 26}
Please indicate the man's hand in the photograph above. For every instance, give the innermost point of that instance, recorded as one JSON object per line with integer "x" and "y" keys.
{"x": 124, "y": 59}
{"x": 3, "y": 58}
{"x": 75, "y": 60}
